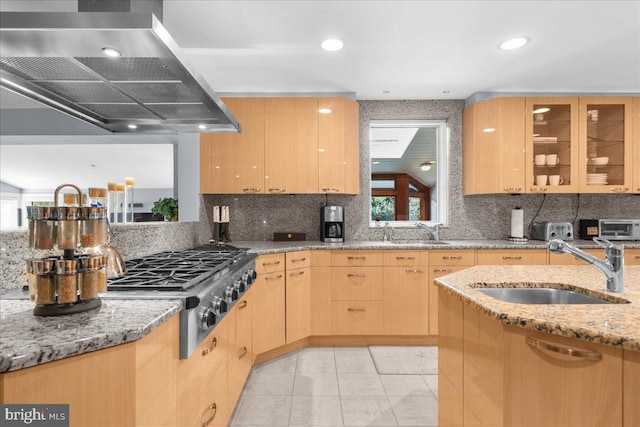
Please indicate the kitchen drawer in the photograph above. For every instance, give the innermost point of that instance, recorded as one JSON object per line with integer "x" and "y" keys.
{"x": 270, "y": 263}
{"x": 405, "y": 258}
{"x": 632, "y": 256}
{"x": 354, "y": 283}
{"x": 512, "y": 257}
{"x": 356, "y": 317}
{"x": 465, "y": 257}
{"x": 299, "y": 259}
{"x": 566, "y": 259}
{"x": 348, "y": 258}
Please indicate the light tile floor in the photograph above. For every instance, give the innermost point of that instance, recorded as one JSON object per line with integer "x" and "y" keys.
{"x": 343, "y": 386}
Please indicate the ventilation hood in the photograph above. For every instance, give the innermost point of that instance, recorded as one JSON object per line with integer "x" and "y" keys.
{"x": 57, "y": 59}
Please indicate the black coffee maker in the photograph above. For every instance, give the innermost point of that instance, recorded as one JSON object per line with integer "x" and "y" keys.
{"x": 332, "y": 224}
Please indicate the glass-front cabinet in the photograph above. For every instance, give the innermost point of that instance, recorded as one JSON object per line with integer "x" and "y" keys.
{"x": 605, "y": 145}
{"x": 636, "y": 145}
{"x": 552, "y": 145}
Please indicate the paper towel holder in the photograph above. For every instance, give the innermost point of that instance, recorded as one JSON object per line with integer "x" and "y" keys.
{"x": 517, "y": 239}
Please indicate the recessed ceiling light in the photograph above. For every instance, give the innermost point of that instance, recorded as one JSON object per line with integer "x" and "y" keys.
{"x": 109, "y": 51}
{"x": 202, "y": 126}
{"x": 426, "y": 166}
{"x": 324, "y": 111}
{"x": 488, "y": 130}
{"x": 541, "y": 110}
{"x": 132, "y": 126}
{"x": 513, "y": 43}
{"x": 332, "y": 45}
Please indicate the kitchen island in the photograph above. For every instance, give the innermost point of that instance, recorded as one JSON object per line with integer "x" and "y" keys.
{"x": 506, "y": 363}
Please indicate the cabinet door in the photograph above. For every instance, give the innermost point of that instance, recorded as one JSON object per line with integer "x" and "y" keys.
{"x": 242, "y": 354}
{"x": 232, "y": 163}
{"x": 291, "y": 145}
{"x": 338, "y": 146}
{"x": 405, "y": 301}
{"x": 605, "y": 145}
{"x": 636, "y": 144}
{"x": 631, "y": 388}
{"x": 270, "y": 263}
{"x": 298, "y": 299}
{"x": 541, "y": 384}
{"x": 552, "y": 145}
{"x": 512, "y": 257}
{"x": 269, "y": 312}
{"x": 631, "y": 256}
{"x": 434, "y": 273}
{"x": 320, "y": 292}
{"x": 494, "y": 146}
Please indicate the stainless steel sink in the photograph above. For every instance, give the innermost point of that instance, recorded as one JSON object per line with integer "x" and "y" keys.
{"x": 545, "y": 296}
{"x": 419, "y": 242}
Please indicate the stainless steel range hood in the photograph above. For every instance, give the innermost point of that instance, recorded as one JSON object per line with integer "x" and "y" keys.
{"x": 57, "y": 58}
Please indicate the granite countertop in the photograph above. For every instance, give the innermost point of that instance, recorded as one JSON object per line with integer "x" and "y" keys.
{"x": 268, "y": 247}
{"x": 612, "y": 324}
{"x": 28, "y": 340}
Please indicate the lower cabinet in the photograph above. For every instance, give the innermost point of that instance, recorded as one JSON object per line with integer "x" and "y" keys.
{"x": 320, "y": 293}
{"x": 512, "y": 257}
{"x": 242, "y": 353}
{"x": 269, "y": 313}
{"x": 405, "y": 301}
{"x": 297, "y": 296}
{"x": 631, "y": 388}
{"x": 356, "y": 317}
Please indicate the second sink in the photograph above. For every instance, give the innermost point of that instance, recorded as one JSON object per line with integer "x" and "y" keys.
{"x": 545, "y": 296}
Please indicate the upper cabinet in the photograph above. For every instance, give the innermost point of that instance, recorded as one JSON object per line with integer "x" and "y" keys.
{"x": 636, "y": 145}
{"x": 287, "y": 145}
{"x": 569, "y": 145}
{"x": 493, "y": 146}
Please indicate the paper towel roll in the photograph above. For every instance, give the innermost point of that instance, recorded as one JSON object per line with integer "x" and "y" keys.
{"x": 517, "y": 222}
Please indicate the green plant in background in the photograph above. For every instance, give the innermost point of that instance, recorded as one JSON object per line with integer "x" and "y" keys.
{"x": 383, "y": 207}
{"x": 167, "y": 207}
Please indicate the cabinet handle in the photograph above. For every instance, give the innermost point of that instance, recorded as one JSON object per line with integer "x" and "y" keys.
{"x": 264, "y": 264}
{"x": 508, "y": 189}
{"x": 637, "y": 257}
{"x": 539, "y": 189}
{"x": 563, "y": 350}
{"x": 511, "y": 257}
{"x": 251, "y": 190}
{"x": 403, "y": 258}
{"x": 356, "y": 275}
{"x": 331, "y": 190}
{"x": 458, "y": 257}
{"x": 277, "y": 190}
{"x": 214, "y": 344}
{"x": 297, "y": 273}
{"x": 356, "y": 309}
{"x": 243, "y": 352}
{"x": 298, "y": 260}
{"x": 414, "y": 270}
{"x": 442, "y": 270}
{"x": 620, "y": 189}
{"x": 361, "y": 258}
{"x": 243, "y": 304}
{"x": 213, "y": 408}
{"x": 279, "y": 276}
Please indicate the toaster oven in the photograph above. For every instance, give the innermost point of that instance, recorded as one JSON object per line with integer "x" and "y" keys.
{"x": 619, "y": 229}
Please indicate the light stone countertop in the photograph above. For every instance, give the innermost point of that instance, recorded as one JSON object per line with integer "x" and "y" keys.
{"x": 612, "y": 324}
{"x": 29, "y": 340}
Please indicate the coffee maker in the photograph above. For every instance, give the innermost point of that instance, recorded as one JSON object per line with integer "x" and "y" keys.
{"x": 332, "y": 224}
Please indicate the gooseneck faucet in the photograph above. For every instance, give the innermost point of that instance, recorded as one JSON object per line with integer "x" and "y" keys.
{"x": 612, "y": 266}
{"x": 434, "y": 230}
{"x": 387, "y": 233}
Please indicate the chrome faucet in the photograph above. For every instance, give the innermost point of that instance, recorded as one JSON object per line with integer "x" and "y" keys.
{"x": 612, "y": 266}
{"x": 434, "y": 230}
{"x": 387, "y": 233}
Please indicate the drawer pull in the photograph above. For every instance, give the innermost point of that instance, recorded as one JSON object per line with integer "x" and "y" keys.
{"x": 360, "y": 258}
{"x": 359, "y": 275}
{"x": 298, "y": 260}
{"x": 277, "y": 190}
{"x": 264, "y": 264}
{"x": 279, "y": 276}
{"x": 512, "y": 189}
{"x": 213, "y": 408}
{"x": 582, "y": 354}
{"x": 297, "y": 273}
{"x": 356, "y": 309}
{"x": 242, "y": 304}
{"x": 243, "y": 352}
{"x": 214, "y": 344}
{"x": 458, "y": 257}
{"x": 442, "y": 270}
{"x": 511, "y": 258}
{"x": 250, "y": 190}
{"x": 414, "y": 270}
{"x": 404, "y": 258}
{"x": 331, "y": 190}
{"x": 540, "y": 189}
{"x": 620, "y": 189}
{"x": 637, "y": 257}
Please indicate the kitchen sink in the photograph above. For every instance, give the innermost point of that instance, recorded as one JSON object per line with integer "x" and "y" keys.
{"x": 546, "y": 296}
{"x": 419, "y": 242}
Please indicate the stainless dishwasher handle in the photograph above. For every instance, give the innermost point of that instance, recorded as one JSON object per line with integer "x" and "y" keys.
{"x": 582, "y": 354}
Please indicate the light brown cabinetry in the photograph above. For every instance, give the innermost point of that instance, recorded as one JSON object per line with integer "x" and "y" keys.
{"x": 631, "y": 388}
{"x": 130, "y": 384}
{"x": 298, "y": 295}
{"x": 269, "y": 312}
{"x": 512, "y": 256}
{"x": 494, "y": 146}
{"x": 320, "y": 310}
{"x": 405, "y": 293}
{"x": 450, "y": 360}
{"x": 234, "y": 162}
{"x": 636, "y": 145}
{"x": 242, "y": 353}
{"x": 441, "y": 263}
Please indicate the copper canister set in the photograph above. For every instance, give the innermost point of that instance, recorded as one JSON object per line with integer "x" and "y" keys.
{"x": 72, "y": 281}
